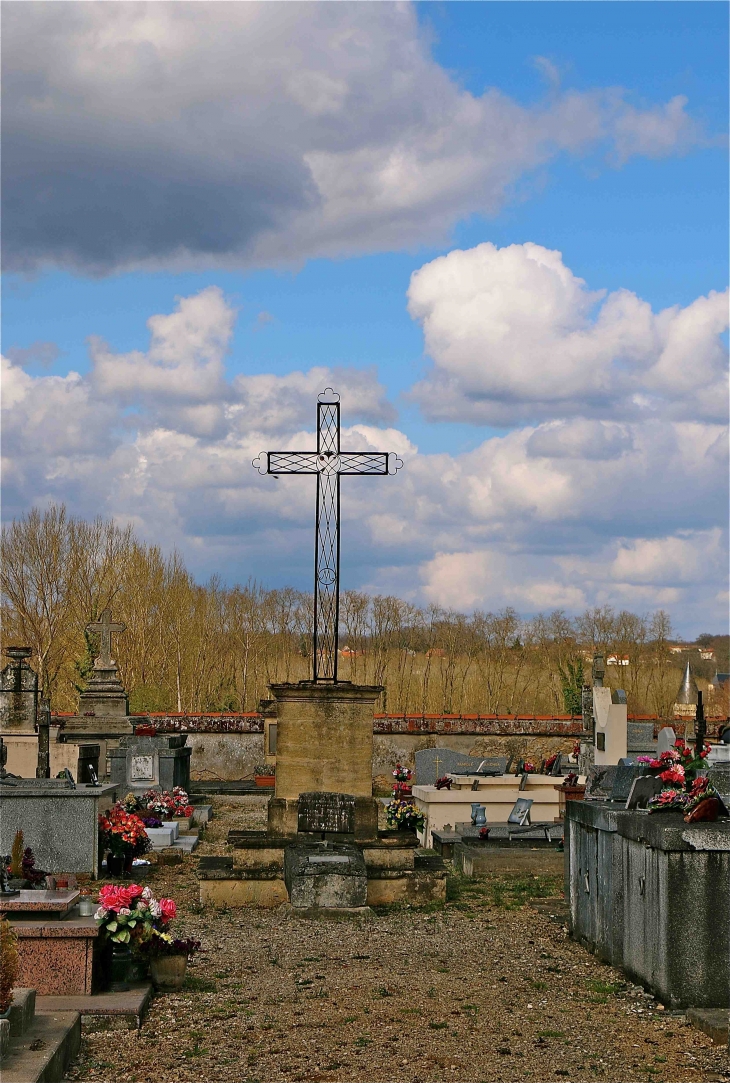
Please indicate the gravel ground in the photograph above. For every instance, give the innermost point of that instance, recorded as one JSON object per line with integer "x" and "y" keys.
{"x": 484, "y": 988}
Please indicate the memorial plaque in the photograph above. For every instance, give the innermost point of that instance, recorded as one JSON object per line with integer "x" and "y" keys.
{"x": 142, "y": 769}
{"x": 327, "y": 812}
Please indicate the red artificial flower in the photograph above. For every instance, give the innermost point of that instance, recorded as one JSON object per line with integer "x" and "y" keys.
{"x": 673, "y": 774}
{"x": 169, "y": 910}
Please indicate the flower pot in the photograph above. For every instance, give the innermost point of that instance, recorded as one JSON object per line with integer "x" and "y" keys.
{"x": 119, "y": 967}
{"x": 265, "y": 780}
{"x": 168, "y": 972}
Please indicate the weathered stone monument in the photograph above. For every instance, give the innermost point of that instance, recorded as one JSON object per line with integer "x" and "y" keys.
{"x": 322, "y": 849}
{"x": 103, "y": 710}
{"x": 19, "y": 711}
{"x": 151, "y": 762}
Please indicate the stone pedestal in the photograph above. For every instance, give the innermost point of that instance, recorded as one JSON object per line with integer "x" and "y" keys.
{"x": 103, "y": 708}
{"x": 322, "y": 849}
{"x": 18, "y": 694}
{"x": 324, "y": 738}
{"x": 324, "y": 744}
{"x": 158, "y": 762}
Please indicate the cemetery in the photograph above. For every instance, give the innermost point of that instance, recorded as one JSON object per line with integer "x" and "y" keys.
{"x": 567, "y": 914}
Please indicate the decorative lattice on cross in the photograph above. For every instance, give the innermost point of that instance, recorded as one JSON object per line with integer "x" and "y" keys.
{"x": 329, "y": 463}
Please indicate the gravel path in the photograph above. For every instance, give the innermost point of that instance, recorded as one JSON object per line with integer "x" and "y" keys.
{"x": 485, "y": 988}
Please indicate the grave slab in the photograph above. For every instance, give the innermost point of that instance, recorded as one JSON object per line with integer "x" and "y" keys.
{"x": 46, "y": 904}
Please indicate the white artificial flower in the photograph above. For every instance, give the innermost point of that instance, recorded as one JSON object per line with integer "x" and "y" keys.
{"x": 147, "y": 893}
{"x": 155, "y": 909}
{"x": 125, "y": 912}
{"x": 101, "y": 913}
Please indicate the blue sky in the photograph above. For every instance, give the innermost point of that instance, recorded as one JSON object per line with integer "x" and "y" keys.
{"x": 543, "y": 124}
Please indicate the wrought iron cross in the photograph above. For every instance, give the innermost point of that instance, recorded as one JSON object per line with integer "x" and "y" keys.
{"x": 104, "y": 628}
{"x": 329, "y": 463}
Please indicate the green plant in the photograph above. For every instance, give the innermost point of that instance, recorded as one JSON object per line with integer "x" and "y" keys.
{"x": 571, "y": 680}
{"x": 16, "y": 855}
{"x": 9, "y": 963}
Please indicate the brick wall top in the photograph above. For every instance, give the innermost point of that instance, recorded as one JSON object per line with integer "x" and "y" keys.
{"x": 478, "y": 725}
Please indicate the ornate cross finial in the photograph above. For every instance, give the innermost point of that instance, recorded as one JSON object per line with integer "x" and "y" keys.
{"x": 104, "y": 628}
{"x": 328, "y": 463}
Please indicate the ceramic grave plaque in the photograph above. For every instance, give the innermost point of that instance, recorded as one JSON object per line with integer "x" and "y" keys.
{"x": 142, "y": 769}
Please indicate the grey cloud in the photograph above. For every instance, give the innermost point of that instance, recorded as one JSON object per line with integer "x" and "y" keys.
{"x": 38, "y": 353}
{"x": 581, "y": 439}
{"x": 187, "y": 134}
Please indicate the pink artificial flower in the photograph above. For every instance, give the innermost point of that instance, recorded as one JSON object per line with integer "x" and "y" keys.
{"x": 168, "y": 910}
{"x": 133, "y": 892}
{"x": 113, "y": 898}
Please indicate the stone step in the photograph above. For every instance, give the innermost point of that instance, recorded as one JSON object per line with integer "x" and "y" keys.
{"x": 711, "y": 1021}
{"x": 43, "y": 1053}
{"x": 126, "y": 1008}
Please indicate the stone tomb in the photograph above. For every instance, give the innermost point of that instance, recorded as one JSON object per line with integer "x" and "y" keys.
{"x": 151, "y": 762}
{"x": 323, "y": 796}
{"x": 59, "y": 821}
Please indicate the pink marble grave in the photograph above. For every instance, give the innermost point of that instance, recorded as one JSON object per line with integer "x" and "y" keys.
{"x": 56, "y": 957}
{"x": 47, "y": 904}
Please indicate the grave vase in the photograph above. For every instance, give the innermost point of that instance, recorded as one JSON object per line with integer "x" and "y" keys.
{"x": 115, "y": 864}
{"x": 119, "y": 967}
{"x": 478, "y": 815}
{"x": 168, "y": 972}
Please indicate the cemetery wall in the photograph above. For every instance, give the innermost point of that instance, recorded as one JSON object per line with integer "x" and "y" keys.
{"x": 229, "y": 746}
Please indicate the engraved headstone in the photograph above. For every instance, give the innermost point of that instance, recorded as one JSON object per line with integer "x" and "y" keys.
{"x": 329, "y": 813}
{"x": 623, "y": 780}
{"x": 642, "y": 790}
{"x": 665, "y": 740}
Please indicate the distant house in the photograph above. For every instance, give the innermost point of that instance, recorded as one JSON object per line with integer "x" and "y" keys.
{"x": 348, "y": 652}
{"x": 680, "y": 648}
{"x": 707, "y": 654}
{"x": 617, "y": 660}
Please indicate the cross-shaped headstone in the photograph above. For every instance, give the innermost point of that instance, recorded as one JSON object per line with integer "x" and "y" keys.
{"x": 104, "y": 628}
{"x": 328, "y": 463}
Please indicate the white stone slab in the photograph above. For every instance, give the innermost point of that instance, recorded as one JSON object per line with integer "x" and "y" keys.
{"x": 160, "y": 837}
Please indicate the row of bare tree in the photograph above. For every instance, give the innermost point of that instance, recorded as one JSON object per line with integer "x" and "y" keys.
{"x": 199, "y": 648}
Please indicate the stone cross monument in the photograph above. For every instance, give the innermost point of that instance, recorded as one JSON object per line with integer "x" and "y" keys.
{"x": 104, "y": 628}
{"x": 103, "y": 710}
{"x": 324, "y": 742}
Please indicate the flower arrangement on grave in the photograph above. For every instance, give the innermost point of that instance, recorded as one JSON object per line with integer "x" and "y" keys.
{"x": 444, "y": 783}
{"x": 133, "y": 914}
{"x": 166, "y": 805}
{"x": 681, "y": 756}
{"x": 528, "y": 768}
{"x": 404, "y": 815}
{"x": 9, "y": 964}
{"x": 402, "y": 784}
{"x": 700, "y": 802}
{"x": 123, "y": 833}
